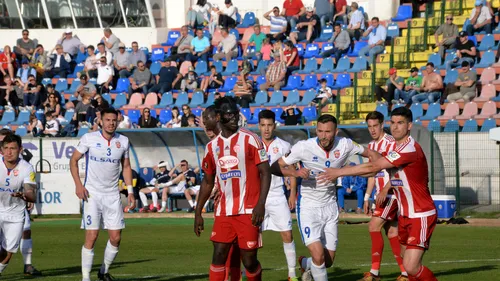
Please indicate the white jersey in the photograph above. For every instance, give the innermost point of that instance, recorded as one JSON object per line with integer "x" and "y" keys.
{"x": 12, "y": 208}
{"x": 313, "y": 157}
{"x": 276, "y": 149}
{"x": 103, "y": 160}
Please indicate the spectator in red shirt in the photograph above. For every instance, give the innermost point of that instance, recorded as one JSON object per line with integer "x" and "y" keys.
{"x": 291, "y": 58}
{"x": 340, "y": 11}
{"x": 8, "y": 61}
{"x": 292, "y": 10}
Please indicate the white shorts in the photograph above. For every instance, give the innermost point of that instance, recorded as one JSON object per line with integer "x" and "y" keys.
{"x": 27, "y": 222}
{"x": 319, "y": 224}
{"x": 10, "y": 235}
{"x": 278, "y": 217}
{"x": 195, "y": 188}
{"x": 179, "y": 188}
{"x": 103, "y": 210}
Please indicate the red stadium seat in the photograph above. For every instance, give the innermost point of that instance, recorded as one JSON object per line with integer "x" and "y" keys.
{"x": 135, "y": 101}
{"x": 470, "y": 110}
{"x": 488, "y": 75}
{"x": 487, "y": 93}
{"x": 185, "y": 67}
{"x": 151, "y": 101}
{"x": 452, "y": 110}
{"x": 489, "y": 109}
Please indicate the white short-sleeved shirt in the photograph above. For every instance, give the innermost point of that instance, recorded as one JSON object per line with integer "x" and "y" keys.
{"x": 103, "y": 74}
{"x": 103, "y": 161}
{"x": 12, "y": 208}
{"x": 484, "y": 15}
{"x": 276, "y": 149}
{"x": 313, "y": 157}
{"x": 358, "y": 17}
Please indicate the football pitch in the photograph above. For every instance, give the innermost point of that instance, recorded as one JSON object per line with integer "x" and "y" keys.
{"x": 164, "y": 249}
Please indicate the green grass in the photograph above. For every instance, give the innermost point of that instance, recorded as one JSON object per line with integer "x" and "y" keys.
{"x": 167, "y": 249}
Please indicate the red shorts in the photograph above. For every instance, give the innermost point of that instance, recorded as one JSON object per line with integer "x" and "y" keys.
{"x": 415, "y": 233}
{"x": 228, "y": 229}
{"x": 389, "y": 209}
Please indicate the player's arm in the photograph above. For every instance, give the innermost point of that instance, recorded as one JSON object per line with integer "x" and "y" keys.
{"x": 370, "y": 168}
{"x": 29, "y": 191}
{"x": 383, "y": 193}
{"x": 292, "y": 200}
{"x": 285, "y": 167}
{"x": 206, "y": 187}
{"x": 81, "y": 192}
{"x": 265, "y": 183}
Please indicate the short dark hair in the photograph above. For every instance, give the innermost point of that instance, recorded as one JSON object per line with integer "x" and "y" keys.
{"x": 210, "y": 111}
{"x": 337, "y": 25}
{"x": 276, "y": 7}
{"x": 90, "y": 47}
{"x": 50, "y": 85}
{"x": 110, "y": 111}
{"x": 322, "y": 80}
{"x": 403, "y": 111}
{"x": 9, "y": 138}
{"x": 139, "y": 61}
{"x": 25, "y": 30}
{"x": 31, "y": 76}
{"x": 213, "y": 67}
{"x": 376, "y": 18}
{"x": 100, "y": 44}
{"x": 325, "y": 118}
{"x": 39, "y": 46}
{"x": 375, "y": 115}
{"x": 184, "y": 161}
{"x": 465, "y": 63}
{"x": 49, "y": 113}
{"x": 5, "y": 131}
{"x": 224, "y": 29}
{"x": 231, "y": 101}
{"x": 135, "y": 42}
{"x": 199, "y": 29}
{"x": 430, "y": 64}
{"x": 267, "y": 114}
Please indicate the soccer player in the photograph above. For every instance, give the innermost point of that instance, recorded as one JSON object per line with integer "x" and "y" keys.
{"x": 407, "y": 167}
{"x": 17, "y": 187}
{"x": 317, "y": 208}
{"x": 278, "y": 217}
{"x": 104, "y": 151}
{"x": 238, "y": 159}
{"x": 385, "y": 215}
{"x": 160, "y": 179}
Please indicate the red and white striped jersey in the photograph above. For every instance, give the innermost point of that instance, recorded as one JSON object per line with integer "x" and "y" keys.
{"x": 234, "y": 162}
{"x": 383, "y": 146}
{"x": 410, "y": 179}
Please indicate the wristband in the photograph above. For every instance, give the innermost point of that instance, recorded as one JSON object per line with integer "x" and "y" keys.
{"x": 130, "y": 189}
{"x": 367, "y": 197}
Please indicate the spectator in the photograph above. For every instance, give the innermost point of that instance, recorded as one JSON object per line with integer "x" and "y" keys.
{"x": 175, "y": 122}
{"x": 200, "y": 46}
{"x": 81, "y": 109}
{"x": 40, "y": 60}
{"x": 480, "y": 19}
{"x": 182, "y": 46}
{"x": 185, "y": 179}
{"x": 193, "y": 191}
{"x": 24, "y": 46}
{"x": 49, "y": 89}
{"x": 51, "y": 125}
{"x": 214, "y": 19}
{"x": 111, "y": 42}
{"x": 340, "y": 11}
{"x": 292, "y": 116}
{"x": 412, "y": 88}
{"x": 227, "y": 15}
{"x": 466, "y": 51}
{"x": 105, "y": 75}
{"x": 59, "y": 64}
{"x": 8, "y": 95}
{"x": 353, "y": 185}
{"x": 324, "y": 10}
{"x": 293, "y": 10}
{"x": 136, "y": 55}
{"x": 258, "y": 39}
{"x": 243, "y": 90}
{"x": 387, "y": 92}
{"x": 308, "y": 27}
{"x": 192, "y": 121}
{"x": 35, "y": 126}
{"x": 70, "y": 44}
{"x": 467, "y": 82}
{"x": 217, "y": 96}
{"x": 153, "y": 187}
{"x": 198, "y": 14}
{"x": 122, "y": 62}
{"x": 357, "y": 23}
{"x": 52, "y": 105}
{"x": 278, "y": 49}
{"x": 377, "y": 35}
{"x": 167, "y": 79}
{"x": 186, "y": 110}
{"x": 278, "y": 24}
{"x": 432, "y": 85}
{"x": 31, "y": 92}
{"x": 228, "y": 47}
{"x": 324, "y": 95}
{"x": 141, "y": 80}
{"x": 103, "y": 53}
{"x": 123, "y": 121}
{"x": 292, "y": 59}
{"x": 8, "y": 61}
{"x": 266, "y": 49}
{"x": 275, "y": 75}
{"x": 19, "y": 88}
{"x": 190, "y": 81}
{"x": 341, "y": 43}
{"x": 91, "y": 62}
{"x": 146, "y": 120}
{"x": 213, "y": 81}
{"x": 450, "y": 32}
{"x": 85, "y": 88}
{"x": 101, "y": 102}
{"x": 25, "y": 71}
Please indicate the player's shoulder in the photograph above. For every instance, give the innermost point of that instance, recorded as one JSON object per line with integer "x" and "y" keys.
{"x": 253, "y": 138}
{"x": 389, "y": 139}
{"x": 408, "y": 146}
{"x": 121, "y": 138}
{"x": 25, "y": 166}
{"x": 281, "y": 142}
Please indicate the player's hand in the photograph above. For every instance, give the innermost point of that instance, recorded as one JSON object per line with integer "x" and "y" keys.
{"x": 302, "y": 173}
{"x": 258, "y": 214}
{"x": 131, "y": 200}
{"x": 18, "y": 195}
{"x": 29, "y": 206}
{"x": 292, "y": 201}
{"x": 366, "y": 207}
{"x": 329, "y": 175}
{"x": 198, "y": 225}
{"x": 82, "y": 193}
{"x": 381, "y": 196}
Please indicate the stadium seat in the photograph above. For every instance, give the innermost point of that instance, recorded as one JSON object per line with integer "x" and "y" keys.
{"x": 231, "y": 68}
{"x": 326, "y": 47}
{"x": 278, "y": 111}
{"x": 488, "y": 76}
{"x": 197, "y": 99}
{"x": 62, "y": 85}
{"x": 166, "y": 100}
{"x": 229, "y": 94}
{"x": 218, "y": 67}
{"x": 292, "y": 98}
{"x": 184, "y": 69}
{"x": 343, "y": 65}
{"x": 81, "y": 57}
{"x": 451, "y": 126}
{"x": 172, "y": 36}
{"x": 300, "y": 50}
{"x": 246, "y": 112}
{"x": 106, "y": 97}
{"x": 261, "y": 67}
{"x": 392, "y": 30}
{"x": 276, "y": 99}
{"x": 470, "y": 126}
{"x": 449, "y": 57}
{"x": 310, "y": 67}
{"x": 488, "y": 124}
{"x": 404, "y": 13}
{"x": 210, "y": 100}
{"x": 326, "y": 34}
{"x": 260, "y": 98}
{"x": 182, "y": 98}
{"x": 473, "y": 39}
{"x": 487, "y": 43}
{"x": 326, "y": 66}
{"x": 416, "y": 110}
{"x": 155, "y": 68}
{"x": 121, "y": 86}
{"x": 201, "y": 67}
{"x": 435, "y": 59}
{"x": 308, "y": 97}
{"x": 357, "y": 47}
{"x": 310, "y": 113}
{"x": 382, "y": 108}
{"x": 487, "y": 59}
{"x": 134, "y": 102}
{"x": 120, "y": 100}
{"x": 248, "y": 20}
{"x": 229, "y": 84}
{"x": 470, "y": 110}
{"x": 236, "y": 33}
{"x": 293, "y": 83}
{"x": 246, "y": 35}
{"x": 158, "y": 54}
{"x": 451, "y": 76}
{"x": 489, "y": 109}
{"x": 150, "y": 101}
{"x": 433, "y": 111}
{"x": 68, "y": 116}
{"x": 197, "y": 112}
{"x": 451, "y": 111}
{"x": 259, "y": 81}
{"x": 146, "y": 174}
{"x": 343, "y": 81}
{"x": 74, "y": 86}
{"x": 165, "y": 116}
{"x": 78, "y": 68}
{"x": 360, "y": 64}
{"x": 488, "y": 92}
{"x": 22, "y": 118}
{"x": 46, "y": 81}
{"x": 21, "y": 131}
{"x": 310, "y": 82}
{"x": 9, "y": 116}
{"x": 134, "y": 115}
{"x": 255, "y": 117}
{"x": 330, "y": 81}
{"x": 82, "y": 131}
{"x": 434, "y": 126}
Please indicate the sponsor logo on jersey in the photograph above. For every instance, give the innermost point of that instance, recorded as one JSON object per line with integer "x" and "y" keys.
{"x": 16, "y": 173}
{"x": 396, "y": 183}
{"x": 231, "y": 174}
{"x": 236, "y": 148}
{"x": 98, "y": 145}
{"x": 32, "y": 176}
{"x": 227, "y": 162}
{"x": 205, "y": 165}
{"x": 393, "y": 156}
{"x": 336, "y": 153}
{"x": 104, "y": 160}
{"x": 251, "y": 244}
{"x": 6, "y": 189}
{"x": 315, "y": 159}
{"x": 380, "y": 174}
{"x": 276, "y": 150}
{"x": 118, "y": 144}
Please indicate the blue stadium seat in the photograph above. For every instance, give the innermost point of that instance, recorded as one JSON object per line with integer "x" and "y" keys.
{"x": 46, "y": 81}
{"x": 360, "y": 64}
{"x": 165, "y": 116}
{"x": 201, "y": 67}
{"x": 293, "y": 83}
{"x": 326, "y": 66}
{"x": 312, "y": 50}
{"x": 236, "y": 34}
{"x": 68, "y": 116}
{"x": 342, "y": 65}
{"x": 248, "y": 20}
{"x": 487, "y": 43}
{"x": 21, "y": 131}
{"x": 435, "y": 59}
{"x": 276, "y": 99}
{"x": 120, "y": 100}
{"x": 308, "y": 97}
{"x": 260, "y": 98}
{"x": 106, "y": 97}
{"x": 450, "y": 77}
{"x": 196, "y": 99}
{"x": 473, "y": 39}
{"x": 300, "y": 49}
{"x": 416, "y": 110}
{"x": 277, "y": 112}
{"x": 261, "y": 67}
{"x": 404, "y": 13}
{"x": 229, "y": 94}
{"x": 191, "y": 32}
{"x": 182, "y": 98}
{"x": 78, "y": 68}
{"x": 343, "y": 81}
{"x": 155, "y": 68}
{"x": 326, "y": 34}
{"x": 330, "y": 81}
{"x": 451, "y": 126}
{"x": 172, "y": 36}
{"x": 488, "y": 124}
{"x": 210, "y": 100}
{"x": 167, "y": 100}
{"x": 121, "y": 86}
{"x": 292, "y": 98}
{"x": 218, "y": 67}
{"x": 382, "y": 108}
{"x": 22, "y": 118}
{"x": 310, "y": 82}
{"x": 8, "y": 117}
{"x": 310, "y": 67}
{"x": 392, "y": 30}
{"x": 433, "y": 111}
{"x": 229, "y": 84}
{"x": 246, "y": 112}
{"x": 357, "y": 47}
{"x": 134, "y": 115}
{"x": 310, "y": 113}
{"x": 447, "y": 58}
{"x": 197, "y": 112}
{"x": 74, "y": 86}
{"x": 62, "y": 85}
{"x": 487, "y": 59}
{"x": 434, "y": 126}
{"x": 81, "y": 57}
{"x": 466, "y": 23}
{"x": 158, "y": 54}
{"x": 470, "y": 126}
{"x": 207, "y": 34}
{"x": 82, "y": 131}
{"x": 255, "y": 117}
{"x": 259, "y": 81}
{"x": 231, "y": 68}
{"x": 326, "y": 47}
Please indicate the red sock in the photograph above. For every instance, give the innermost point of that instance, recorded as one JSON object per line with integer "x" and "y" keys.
{"x": 396, "y": 250}
{"x": 377, "y": 249}
{"x": 217, "y": 273}
{"x": 235, "y": 263}
{"x": 256, "y": 276}
{"x": 424, "y": 274}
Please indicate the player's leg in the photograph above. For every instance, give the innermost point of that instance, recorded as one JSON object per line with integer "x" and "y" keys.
{"x": 164, "y": 199}
{"x": 219, "y": 257}
{"x": 249, "y": 241}
{"x": 27, "y": 248}
{"x": 11, "y": 237}
{"x": 233, "y": 263}
{"x": 154, "y": 198}
{"x": 144, "y": 199}
{"x": 391, "y": 230}
{"x": 421, "y": 230}
{"x": 91, "y": 221}
{"x": 279, "y": 219}
{"x": 189, "y": 193}
{"x": 290, "y": 253}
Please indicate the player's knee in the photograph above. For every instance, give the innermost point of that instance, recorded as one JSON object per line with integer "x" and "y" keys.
{"x": 115, "y": 239}
{"x": 250, "y": 262}
{"x": 219, "y": 256}
{"x": 392, "y": 232}
{"x": 411, "y": 267}
{"x": 27, "y": 234}
{"x": 286, "y": 236}
{"x": 91, "y": 236}
{"x": 374, "y": 225}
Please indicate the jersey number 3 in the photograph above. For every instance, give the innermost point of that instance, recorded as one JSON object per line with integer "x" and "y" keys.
{"x": 108, "y": 152}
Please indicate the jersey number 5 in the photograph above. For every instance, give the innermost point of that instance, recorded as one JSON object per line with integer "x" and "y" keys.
{"x": 109, "y": 152}
{"x": 7, "y": 182}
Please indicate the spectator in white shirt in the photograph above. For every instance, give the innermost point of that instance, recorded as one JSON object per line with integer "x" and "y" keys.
{"x": 123, "y": 121}
{"x": 198, "y": 14}
{"x": 227, "y": 15}
{"x": 122, "y": 62}
{"x": 91, "y": 62}
{"x": 71, "y": 44}
{"x": 357, "y": 23}
{"x": 228, "y": 47}
{"x": 480, "y": 19}
{"x": 377, "y": 35}
{"x": 51, "y": 125}
{"x": 104, "y": 76}
{"x": 103, "y": 53}
{"x": 110, "y": 41}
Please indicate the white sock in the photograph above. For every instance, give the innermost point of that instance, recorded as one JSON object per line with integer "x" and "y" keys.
{"x": 144, "y": 199}
{"x": 109, "y": 256}
{"x": 291, "y": 257}
{"x": 191, "y": 203}
{"x": 154, "y": 195}
{"x": 163, "y": 204}
{"x": 194, "y": 204}
{"x": 2, "y": 267}
{"x": 319, "y": 272}
{"x": 306, "y": 263}
{"x": 170, "y": 183}
{"x": 26, "y": 250}
{"x": 87, "y": 260}
{"x": 206, "y": 204}
{"x": 374, "y": 272}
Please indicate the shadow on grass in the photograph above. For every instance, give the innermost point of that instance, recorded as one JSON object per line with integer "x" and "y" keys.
{"x": 95, "y": 268}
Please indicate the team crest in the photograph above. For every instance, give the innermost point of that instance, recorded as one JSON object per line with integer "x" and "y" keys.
{"x": 118, "y": 144}
{"x": 411, "y": 239}
{"x": 15, "y": 172}
{"x": 336, "y": 153}
{"x": 32, "y": 176}
{"x": 276, "y": 150}
{"x": 213, "y": 234}
{"x": 236, "y": 148}
{"x": 251, "y": 244}
{"x": 205, "y": 165}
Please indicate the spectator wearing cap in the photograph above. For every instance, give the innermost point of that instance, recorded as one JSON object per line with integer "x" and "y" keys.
{"x": 357, "y": 22}
{"x": 167, "y": 79}
{"x": 275, "y": 74}
{"x": 25, "y": 71}
{"x": 466, "y": 51}
{"x": 91, "y": 62}
{"x": 450, "y": 33}
{"x": 412, "y": 88}
{"x": 200, "y": 46}
{"x": 293, "y": 10}
{"x": 228, "y": 47}
{"x": 279, "y": 24}
{"x": 40, "y": 60}
{"x": 111, "y": 42}
{"x": 243, "y": 90}
{"x": 308, "y": 27}
{"x": 121, "y": 62}
{"x": 182, "y": 45}
{"x": 142, "y": 79}
{"x": 466, "y": 81}
{"x": 85, "y": 88}
{"x": 324, "y": 9}
{"x": 212, "y": 81}
{"x": 198, "y": 14}
{"x": 480, "y": 19}
{"x": 340, "y": 11}
{"x": 190, "y": 81}
{"x": 70, "y": 44}
{"x": 432, "y": 86}
{"x": 103, "y": 53}
{"x": 377, "y": 35}
{"x": 136, "y": 54}
{"x": 341, "y": 43}
{"x": 387, "y": 92}
{"x": 258, "y": 39}
{"x": 105, "y": 75}
{"x": 60, "y": 63}
{"x": 25, "y": 47}
{"x": 227, "y": 15}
